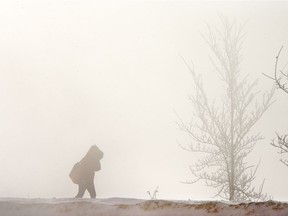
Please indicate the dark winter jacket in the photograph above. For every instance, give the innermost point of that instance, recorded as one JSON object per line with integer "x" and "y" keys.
{"x": 85, "y": 169}
{"x": 91, "y": 161}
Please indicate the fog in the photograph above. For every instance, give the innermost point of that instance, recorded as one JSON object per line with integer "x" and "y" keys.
{"x": 78, "y": 73}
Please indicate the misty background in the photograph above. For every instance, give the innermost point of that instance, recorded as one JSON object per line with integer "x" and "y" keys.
{"x": 78, "y": 73}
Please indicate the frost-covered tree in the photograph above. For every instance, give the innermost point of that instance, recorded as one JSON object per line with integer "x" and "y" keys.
{"x": 280, "y": 79}
{"x": 220, "y": 130}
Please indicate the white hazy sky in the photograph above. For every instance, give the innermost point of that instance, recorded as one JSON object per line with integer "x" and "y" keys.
{"x": 76, "y": 73}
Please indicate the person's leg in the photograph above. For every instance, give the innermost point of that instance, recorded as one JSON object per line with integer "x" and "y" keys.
{"x": 81, "y": 190}
{"x": 90, "y": 186}
{"x": 91, "y": 190}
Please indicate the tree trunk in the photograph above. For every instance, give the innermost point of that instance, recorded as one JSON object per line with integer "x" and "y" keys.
{"x": 232, "y": 184}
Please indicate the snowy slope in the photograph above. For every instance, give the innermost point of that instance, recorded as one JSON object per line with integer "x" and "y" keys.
{"x": 134, "y": 207}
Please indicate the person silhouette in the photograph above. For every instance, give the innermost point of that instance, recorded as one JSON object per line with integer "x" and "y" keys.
{"x": 83, "y": 172}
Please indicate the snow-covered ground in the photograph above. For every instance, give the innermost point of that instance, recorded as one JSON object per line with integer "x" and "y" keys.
{"x": 134, "y": 207}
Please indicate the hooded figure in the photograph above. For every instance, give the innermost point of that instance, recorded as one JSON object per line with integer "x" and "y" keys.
{"x": 83, "y": 172}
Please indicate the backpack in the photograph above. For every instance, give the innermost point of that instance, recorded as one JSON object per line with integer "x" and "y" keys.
{"x": 75, "y": 173}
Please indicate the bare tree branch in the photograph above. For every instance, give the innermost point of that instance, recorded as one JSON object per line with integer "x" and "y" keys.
{"x": 278, "y": 79}
{"x": 282, "y": 140}
{"x": 282, "y": 145}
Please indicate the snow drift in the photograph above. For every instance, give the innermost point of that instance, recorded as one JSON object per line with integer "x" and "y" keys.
{"x": 121, "y": 207}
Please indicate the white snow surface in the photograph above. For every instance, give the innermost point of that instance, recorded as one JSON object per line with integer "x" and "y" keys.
{"x": 134, "y": 207}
